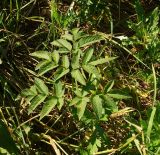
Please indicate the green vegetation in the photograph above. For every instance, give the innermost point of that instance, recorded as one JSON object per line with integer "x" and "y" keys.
{"x": 79, "y": 77}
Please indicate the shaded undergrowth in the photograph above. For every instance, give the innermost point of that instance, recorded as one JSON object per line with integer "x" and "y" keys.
{"x": 95, "y": 89}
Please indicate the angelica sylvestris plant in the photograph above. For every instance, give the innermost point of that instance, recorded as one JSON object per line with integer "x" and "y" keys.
{"x": 73, "y": 68}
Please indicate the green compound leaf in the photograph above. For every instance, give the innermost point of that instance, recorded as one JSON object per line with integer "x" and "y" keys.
{"x": 48, "y": 106}
{"x": 75, "y": 60}
{"x": 88, "y": 40}
{"x": 65, "y": 61}
{"x": 62, "y": 43}
{"x": 78, "y": 92}
{"x": 110, "y": 103}
{"x": 76, "y": 74}
{"x": 77, "y": 34}
{"x": 87, "y": 56}
{"x": 47, "y": 67}
{"x": 81, "y": 106}
{"x": 97, "y": 105}
{"x": 42, "y": 64}
{"x": 36, "y": 101}
{"x": 59, "y": 91}
{"x": 92, "y": 70}
{"x": 75, "y": 101}
{"x": 55, "y": 56}
{"x": 60, "y": 72}
{"x": 94, "y": 144}
{"x": 42, "y": 55}
{"x": 68, "y": 37}
{"x": 41, "y": 87}
{"x": 29, "y": 92}
{"x": 62, "y": 50}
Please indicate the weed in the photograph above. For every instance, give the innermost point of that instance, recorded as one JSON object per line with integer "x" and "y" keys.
{"x": 91, "y": 92}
